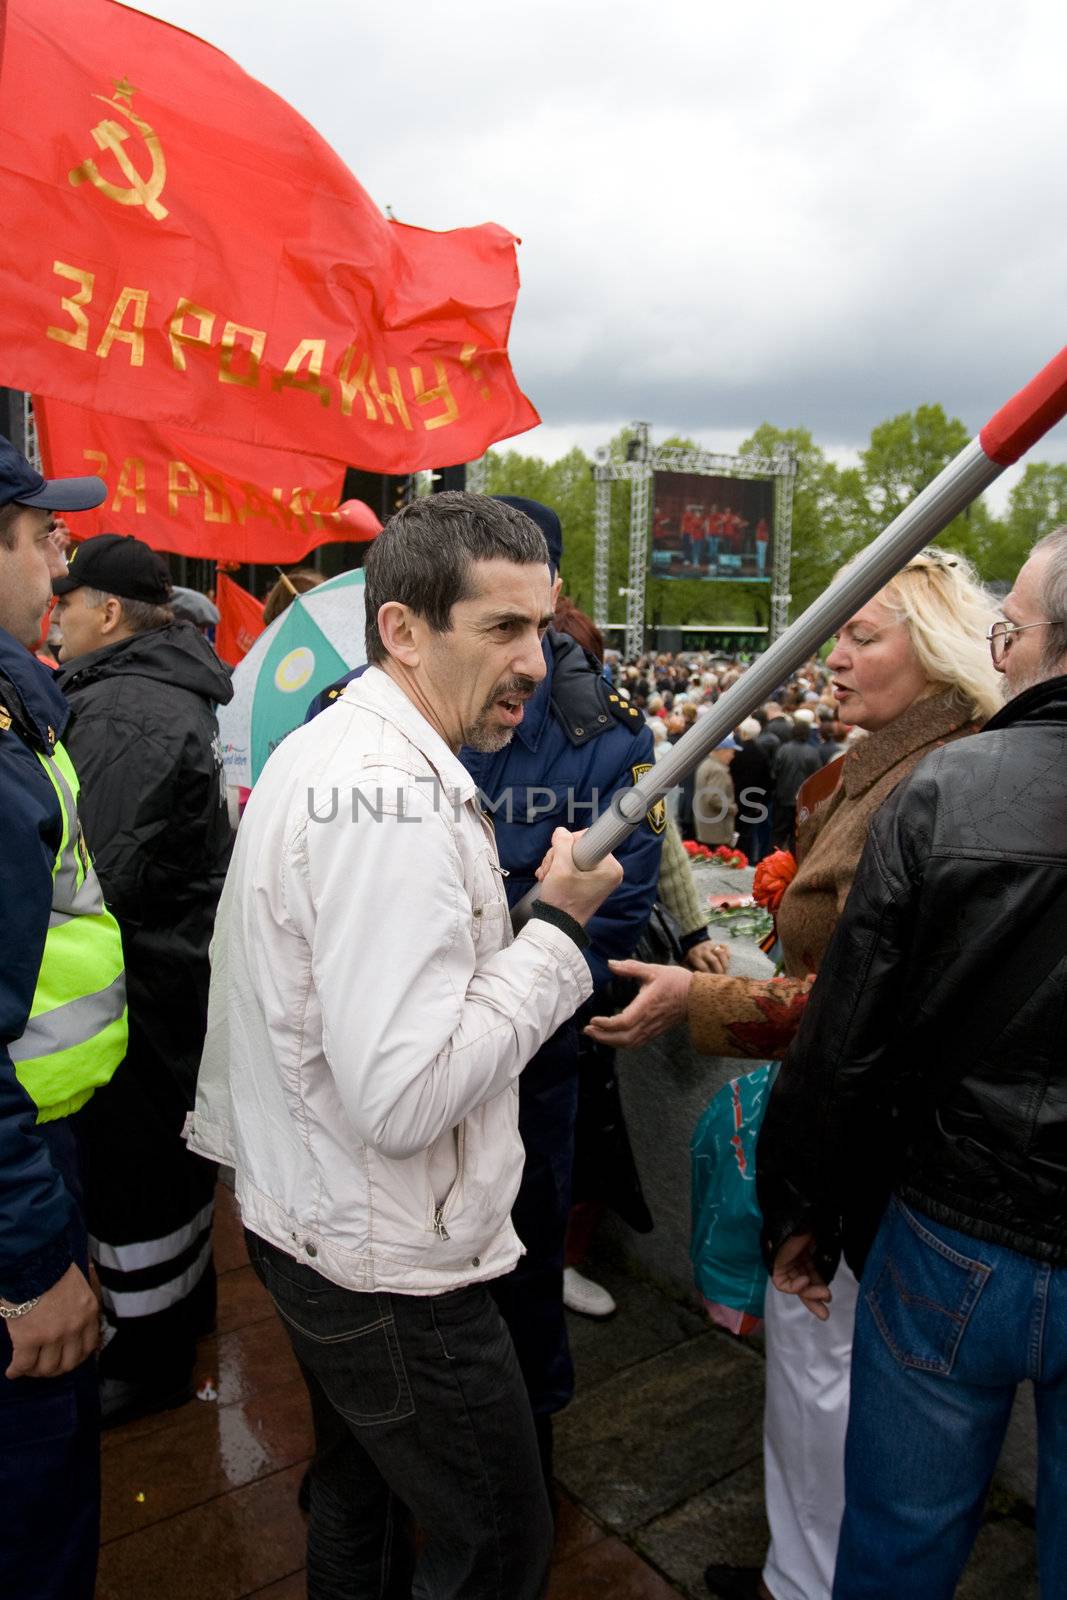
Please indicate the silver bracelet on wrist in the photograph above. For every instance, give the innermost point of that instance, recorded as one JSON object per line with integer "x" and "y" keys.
{"x": 9, "y": 1312}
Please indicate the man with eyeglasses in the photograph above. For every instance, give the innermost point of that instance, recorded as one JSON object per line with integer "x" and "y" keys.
{"x": 1023, "y": 667}
{"x": 919, "y": 1127}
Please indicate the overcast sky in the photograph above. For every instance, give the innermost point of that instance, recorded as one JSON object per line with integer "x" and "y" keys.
{"x": 819, "y": 215}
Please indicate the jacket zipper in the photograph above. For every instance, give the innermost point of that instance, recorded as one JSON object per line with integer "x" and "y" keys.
{"x": 453, "y": 1194}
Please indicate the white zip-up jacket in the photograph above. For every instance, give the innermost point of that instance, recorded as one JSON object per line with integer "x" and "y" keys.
{"x": 370, "y": 1012}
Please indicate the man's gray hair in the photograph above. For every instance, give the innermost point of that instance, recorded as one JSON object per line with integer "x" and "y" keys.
{"x": 140, "y": 616}
{"x": 424, "y": 555}
{"x": 1054, "y": 596}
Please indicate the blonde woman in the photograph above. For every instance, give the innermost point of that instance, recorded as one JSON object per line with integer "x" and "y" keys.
{"x": 912, "y": 668}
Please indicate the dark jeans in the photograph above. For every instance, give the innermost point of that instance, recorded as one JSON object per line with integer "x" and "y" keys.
{"x": 784, "y": 826}
{"x": 421, "y": 1418}
{"x": 755, "y": 839}
{"x": 50, "y": 1451}
{"x": 149, "y": 1206}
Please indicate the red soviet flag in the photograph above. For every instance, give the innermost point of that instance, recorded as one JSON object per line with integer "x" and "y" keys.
{"x": 183, "y": 248}
{"x": 181, "y": 491}
{"x": 240, "y": 620}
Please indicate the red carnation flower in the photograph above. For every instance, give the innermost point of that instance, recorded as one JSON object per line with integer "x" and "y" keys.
{"x": 773, "y": 876}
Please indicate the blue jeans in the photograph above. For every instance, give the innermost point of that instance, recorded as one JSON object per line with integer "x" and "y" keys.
{"x": 50, "y": 1448}
{"x": 421, "y": 1417}
{"x": 947, "y": 1327}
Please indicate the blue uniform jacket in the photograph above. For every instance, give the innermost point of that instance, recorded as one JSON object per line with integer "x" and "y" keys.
{"x": 577, "y": 745}
{"x": 36, "y": 1210}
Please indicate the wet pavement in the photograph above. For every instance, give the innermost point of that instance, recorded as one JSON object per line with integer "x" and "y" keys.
{"x": 658, "y": 1461}
{"x": 200, "y": 1503}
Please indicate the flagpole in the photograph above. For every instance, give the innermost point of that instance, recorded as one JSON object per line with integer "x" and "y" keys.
{"x": 1025, "y": 418}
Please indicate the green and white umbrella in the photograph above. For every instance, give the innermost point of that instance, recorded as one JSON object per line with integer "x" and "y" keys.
{"x": 314, "y": 642}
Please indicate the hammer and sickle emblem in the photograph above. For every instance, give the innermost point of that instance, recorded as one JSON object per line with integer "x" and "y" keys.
{"x": 110, "y": 135}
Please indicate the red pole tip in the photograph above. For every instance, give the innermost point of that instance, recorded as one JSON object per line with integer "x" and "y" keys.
{"x": 1028, "y": 415}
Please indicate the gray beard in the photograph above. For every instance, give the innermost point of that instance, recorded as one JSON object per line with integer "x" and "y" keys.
{"x": 486, "y": 738}
{"x": 1040, "y": 674}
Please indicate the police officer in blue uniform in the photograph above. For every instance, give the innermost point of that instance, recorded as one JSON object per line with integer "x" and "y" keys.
{"x": 578, "y": 745}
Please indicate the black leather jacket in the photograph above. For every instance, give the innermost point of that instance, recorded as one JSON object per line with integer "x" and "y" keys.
{"x": 932, "y": 1057}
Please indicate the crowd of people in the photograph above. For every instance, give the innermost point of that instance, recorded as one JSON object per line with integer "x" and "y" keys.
{"x": 418, "y": 1105}
{"x": 745, "y": 792}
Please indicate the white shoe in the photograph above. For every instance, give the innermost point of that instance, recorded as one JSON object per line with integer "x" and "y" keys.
{"x": 584, "y": 1296}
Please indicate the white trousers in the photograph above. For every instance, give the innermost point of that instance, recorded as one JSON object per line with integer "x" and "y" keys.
{"x": 804, "y": 1425}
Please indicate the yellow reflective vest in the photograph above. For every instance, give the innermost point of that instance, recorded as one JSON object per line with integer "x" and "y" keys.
{"x": 76, "y": 1034}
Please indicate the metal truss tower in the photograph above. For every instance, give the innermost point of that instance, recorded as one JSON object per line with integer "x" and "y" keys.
{"x": 638, "y": 454}
{"x": 477, "y": 475}
{"x": 31, "y": 448}
{"x": 783, "y": 542}
{"x": 602, "y": 544}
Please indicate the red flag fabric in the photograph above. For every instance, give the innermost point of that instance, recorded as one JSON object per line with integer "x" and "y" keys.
{"x": 182, "y": 248}
{"x": 240, "y": 620}
{"x": 181, "y": 491}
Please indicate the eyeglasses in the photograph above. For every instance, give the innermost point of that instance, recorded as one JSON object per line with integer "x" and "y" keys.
{"x": 1001, "y": 637}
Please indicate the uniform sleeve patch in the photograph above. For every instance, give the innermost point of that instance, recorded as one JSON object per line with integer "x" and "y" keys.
{"x": 657, "y": 817}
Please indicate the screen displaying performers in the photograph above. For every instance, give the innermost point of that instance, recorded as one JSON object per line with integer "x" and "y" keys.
{"x": 712, "y": 527}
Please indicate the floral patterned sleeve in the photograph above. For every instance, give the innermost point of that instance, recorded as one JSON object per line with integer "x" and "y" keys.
{"x": 752, "y": 1018}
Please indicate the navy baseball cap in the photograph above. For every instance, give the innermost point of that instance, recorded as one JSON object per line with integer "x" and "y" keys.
{"x": 20, "y": 484}
{"x": 545, "y": 518}
{"x": 119, "y": 564}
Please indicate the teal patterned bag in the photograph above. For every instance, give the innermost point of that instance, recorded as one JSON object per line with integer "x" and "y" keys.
{"x": 726, "y": 1221}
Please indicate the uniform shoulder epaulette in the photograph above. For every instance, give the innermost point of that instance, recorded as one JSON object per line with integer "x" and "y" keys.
{"x": 14, "y": 717}
{"x": 334, "y": 691}
{"x": 623, "y": 710}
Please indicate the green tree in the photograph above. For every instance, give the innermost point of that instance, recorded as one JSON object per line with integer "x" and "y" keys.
{"x": 903, "y": 456}
{"x": 1036, "y": 505}
{"x": 567, "y": 486}
{"x": 831, "y": 514}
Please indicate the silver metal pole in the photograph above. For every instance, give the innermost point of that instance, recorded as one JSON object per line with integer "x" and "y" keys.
{"x": 1007, "y": 436}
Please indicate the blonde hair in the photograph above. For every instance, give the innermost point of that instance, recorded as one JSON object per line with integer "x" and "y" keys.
{"x": 947, "y": 614}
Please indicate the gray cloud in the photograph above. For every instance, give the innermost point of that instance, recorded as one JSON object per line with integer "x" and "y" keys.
{"x": 818, "y": 215}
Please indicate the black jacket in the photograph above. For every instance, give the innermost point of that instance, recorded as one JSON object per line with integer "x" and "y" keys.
{"x": 145, "y": 742}
{"x": 932, "y": 1057}
{"x": 793, "y": 763}
{"x": 750, "y": 772}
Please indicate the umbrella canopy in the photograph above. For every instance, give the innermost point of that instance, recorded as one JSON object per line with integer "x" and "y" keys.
{"x": 314, "y": 642}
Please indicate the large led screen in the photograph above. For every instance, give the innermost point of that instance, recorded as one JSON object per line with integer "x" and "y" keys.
{"x": 712, "y": 527}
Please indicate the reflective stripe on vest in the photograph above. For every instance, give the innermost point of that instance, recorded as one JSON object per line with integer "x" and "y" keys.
{"x": 76, "y": 1034}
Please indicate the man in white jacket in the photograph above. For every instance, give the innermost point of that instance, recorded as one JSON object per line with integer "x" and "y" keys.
{"x": 370, "y": 1015}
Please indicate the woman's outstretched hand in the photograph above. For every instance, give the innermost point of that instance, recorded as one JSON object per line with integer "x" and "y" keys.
{"x": 662, "y": 1002}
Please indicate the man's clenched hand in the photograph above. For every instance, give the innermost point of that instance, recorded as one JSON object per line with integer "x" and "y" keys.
{"x": 61, "y": 1331}
{"x": 577, "y": 893}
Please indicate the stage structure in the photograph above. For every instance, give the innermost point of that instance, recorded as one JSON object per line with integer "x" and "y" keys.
{"x": 643, "y": 462}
